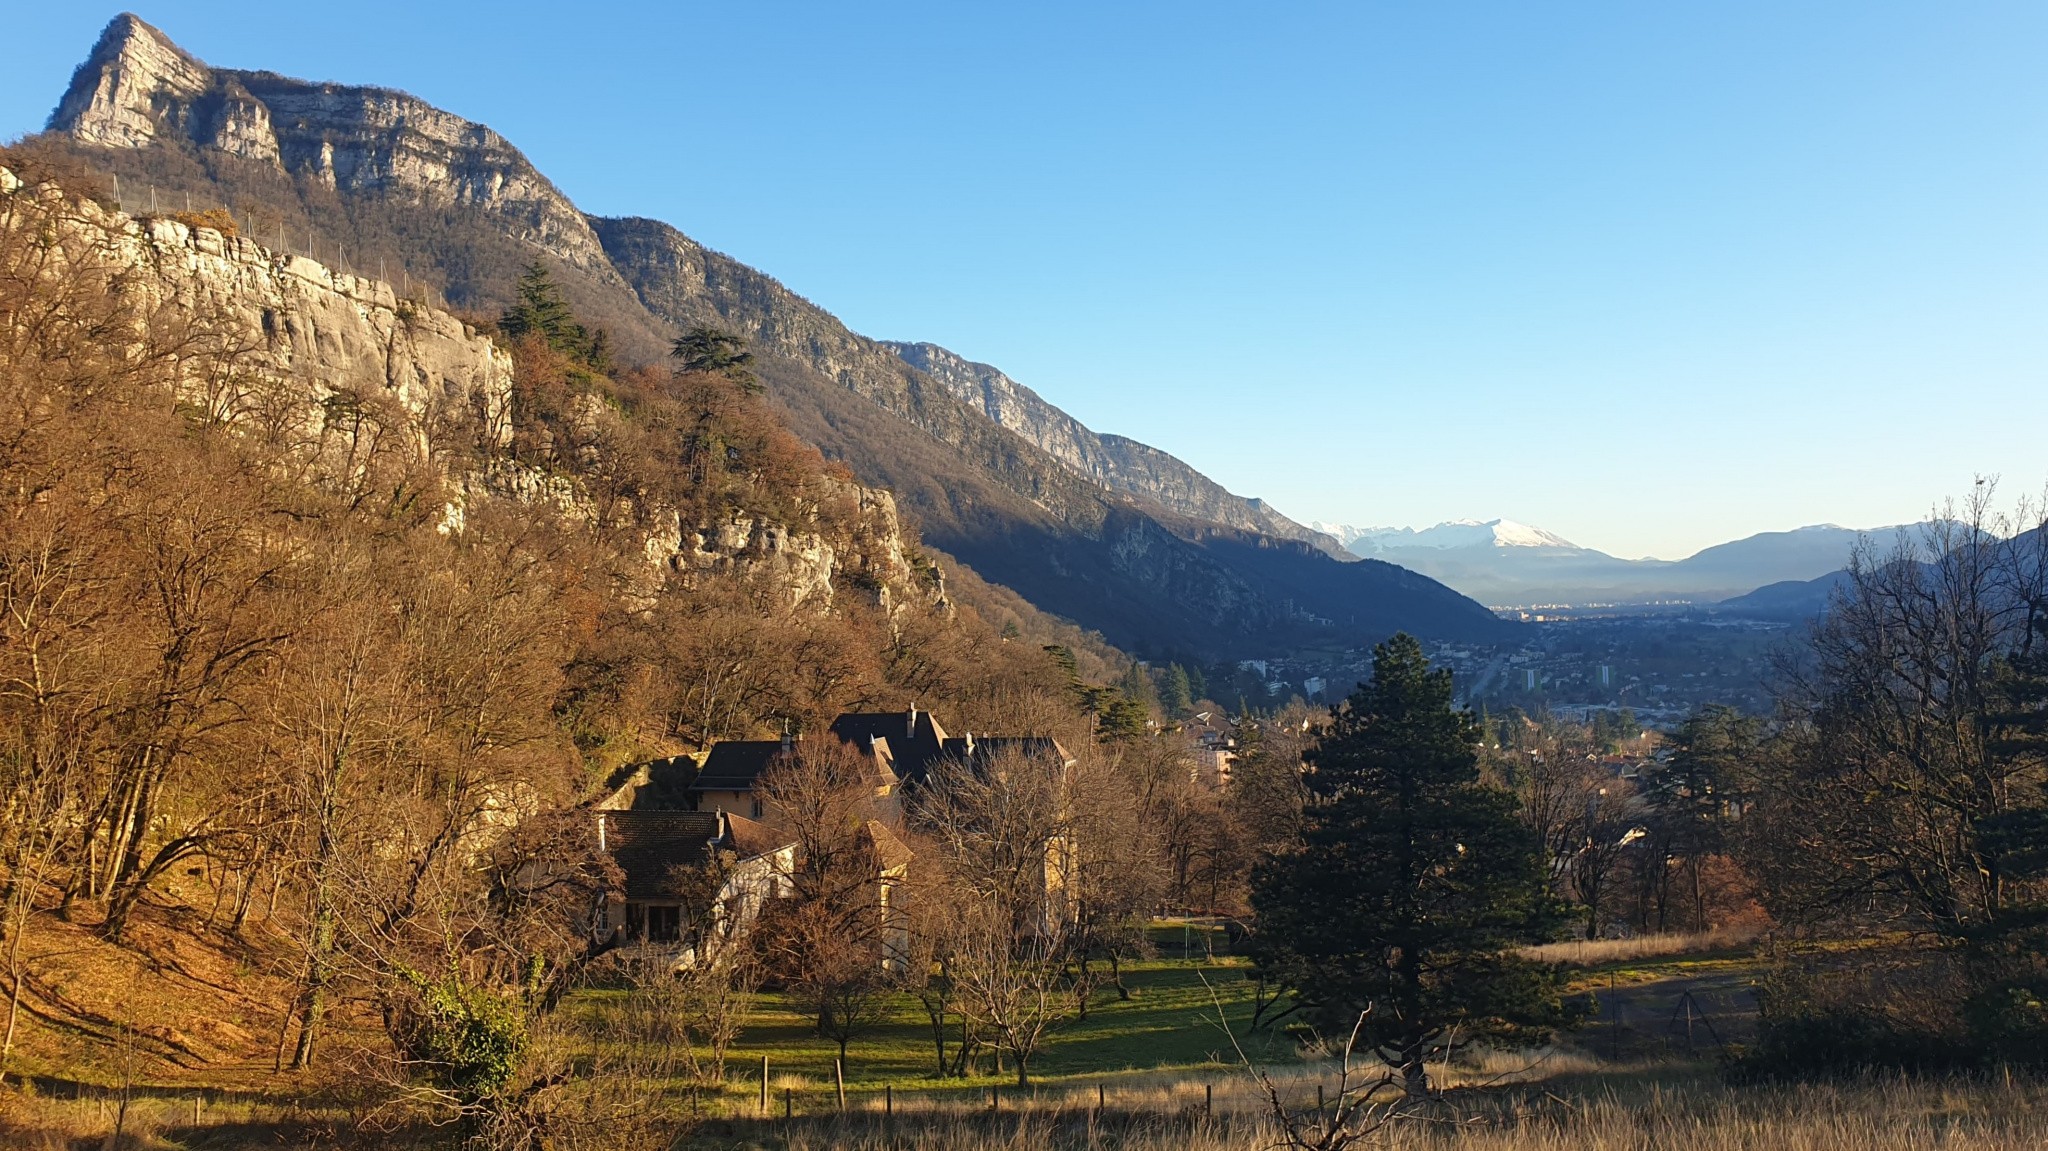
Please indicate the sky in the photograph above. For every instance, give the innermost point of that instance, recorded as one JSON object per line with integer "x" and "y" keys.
{"x": 1649, "y": 276}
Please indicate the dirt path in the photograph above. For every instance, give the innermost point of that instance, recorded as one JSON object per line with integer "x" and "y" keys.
{"x": 1697, "y": 1013}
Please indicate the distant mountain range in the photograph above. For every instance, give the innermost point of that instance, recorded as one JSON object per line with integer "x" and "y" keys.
{"x": 1117, "y": 536}
{"x": 1507, "y": 564}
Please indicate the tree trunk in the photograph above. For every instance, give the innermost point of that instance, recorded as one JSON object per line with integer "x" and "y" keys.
{"x": 314, "y": 1001}
{"x": 13, "y": 996}
{"x": 1414, "y": 1071}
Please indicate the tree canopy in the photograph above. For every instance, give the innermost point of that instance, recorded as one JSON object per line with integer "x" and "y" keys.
{"x": 1411, "y": 882}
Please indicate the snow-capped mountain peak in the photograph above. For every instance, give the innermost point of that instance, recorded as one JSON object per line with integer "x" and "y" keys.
{"x": 1496, "y": 533}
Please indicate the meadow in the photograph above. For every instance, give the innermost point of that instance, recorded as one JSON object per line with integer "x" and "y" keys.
{"x": 1157, "y": 1072}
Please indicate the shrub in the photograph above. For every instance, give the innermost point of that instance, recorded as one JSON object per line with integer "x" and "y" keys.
{"x": 1825, "y": 1014}
{"x": 466, "y": 1039}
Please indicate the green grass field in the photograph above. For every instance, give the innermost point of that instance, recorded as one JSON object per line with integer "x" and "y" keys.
{"x": 1168, "y": 1024}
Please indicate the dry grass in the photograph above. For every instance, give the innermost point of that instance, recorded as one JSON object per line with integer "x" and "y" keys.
{"x": 32, "y": 1123}
{"x": 1595, "y": 952}
{"x": 1617, "y": 1114}
{"x": 1560, "y": 1104}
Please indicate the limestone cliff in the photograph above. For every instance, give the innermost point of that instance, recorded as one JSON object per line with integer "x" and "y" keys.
{"x": 322, "y": 334}
{"x": 293, "y": 319}
{"x": 137, "y": 87}
{"x": 1123, "y": 464}
{"x": 1106, "y": 532}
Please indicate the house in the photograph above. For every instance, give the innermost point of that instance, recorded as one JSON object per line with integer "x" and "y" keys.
{"x": 1212, "y": 751}
{"x": 892, "y": 859}
{"x": 907, "y": 742}
{"x": 670, "y": 899}
{"x": 727, "y": 781}
{"x": 1055, "y": 875}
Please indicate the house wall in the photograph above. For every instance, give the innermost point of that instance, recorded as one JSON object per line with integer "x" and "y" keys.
{"x": 742, "y": 803}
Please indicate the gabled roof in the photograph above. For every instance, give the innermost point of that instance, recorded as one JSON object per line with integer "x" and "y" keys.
{"x": 736, "y": 764}
{"x": 981, "y": 750}
{"x": 910, "y": 740}
{"x": 647, "y": 844}
{"x": 889, "y": 850}
{"x": 751, "y": 838}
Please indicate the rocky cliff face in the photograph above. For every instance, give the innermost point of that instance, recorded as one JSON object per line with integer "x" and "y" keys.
{"x": 688, "y": 285}
{"x": 323, "y": 334}
{"x": 1121, "y": 463}
{"x": 138, "y": 87}
{"x": 295, "y": 320}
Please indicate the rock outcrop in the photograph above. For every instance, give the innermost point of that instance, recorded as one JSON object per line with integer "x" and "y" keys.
{"x": 323, "y": 334}
{"x": 294, "y": 319}
{"x": 1119, "y": 462}
{"x": 138, "y": 87}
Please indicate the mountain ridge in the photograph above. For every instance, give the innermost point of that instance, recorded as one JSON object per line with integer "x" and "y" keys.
{"x": 462, "y": 208}
{"x": 1505, "y": 563}
{"x": 1119, "y": 462}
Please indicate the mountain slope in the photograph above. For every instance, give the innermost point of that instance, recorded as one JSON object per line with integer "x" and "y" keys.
{"x": 381, "y": 175}
{"x": 1118, "y": 462}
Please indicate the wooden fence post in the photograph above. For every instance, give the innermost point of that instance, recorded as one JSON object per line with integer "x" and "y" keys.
{"x": 839, "y": 1081}
{"x": 764, "y": 1087}
{"x": 1208, "y": 1100}
{"x": 788, "y": 1103}
{"x": 888, "y": 1100}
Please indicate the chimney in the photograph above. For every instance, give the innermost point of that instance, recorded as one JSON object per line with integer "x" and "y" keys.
{"x": 600, "y": 832}
{"x": 970, "y": 743}
{"x": 724, "y": 828}
{"x": 910, "y": 728}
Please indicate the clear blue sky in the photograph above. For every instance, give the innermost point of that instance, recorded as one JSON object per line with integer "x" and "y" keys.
{"x": 1649, "y": 275}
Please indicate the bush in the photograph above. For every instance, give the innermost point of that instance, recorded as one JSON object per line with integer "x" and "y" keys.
{"x": 1826, "y": 1014}
{"x": 466, "y": 1039}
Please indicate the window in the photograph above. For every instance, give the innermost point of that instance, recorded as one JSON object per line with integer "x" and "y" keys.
{"x": 757, "y": 809}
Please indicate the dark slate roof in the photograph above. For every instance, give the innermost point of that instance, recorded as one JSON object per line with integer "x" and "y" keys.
{"x": 735, "y": 764}
{"x": 915, "y": 739}
{"x": 646, "y": 844}
{"x": 981, "y": 750}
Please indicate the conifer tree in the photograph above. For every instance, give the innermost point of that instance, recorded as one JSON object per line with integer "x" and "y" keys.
{"x": 539, "y": 309}
{"x": 1412, "y": 882}
{"x": 711, "y": 351}
{"x": 1176, "y": 695}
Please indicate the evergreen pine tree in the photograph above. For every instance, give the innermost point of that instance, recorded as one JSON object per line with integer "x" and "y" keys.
{"x": 539, "y": 309}
{"x": 717, "y": 353}
{"x": 1176, "y": 697}
{"x": 1412, "y": 883}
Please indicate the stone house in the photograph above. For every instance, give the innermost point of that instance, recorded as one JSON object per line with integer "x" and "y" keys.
{"x": 688, "y": 874}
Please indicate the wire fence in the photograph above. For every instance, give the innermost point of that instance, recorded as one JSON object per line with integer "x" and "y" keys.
{"x": 273, "y": 233}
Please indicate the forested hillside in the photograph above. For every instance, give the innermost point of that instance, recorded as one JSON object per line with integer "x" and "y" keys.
{"x": 312, "y": 592}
